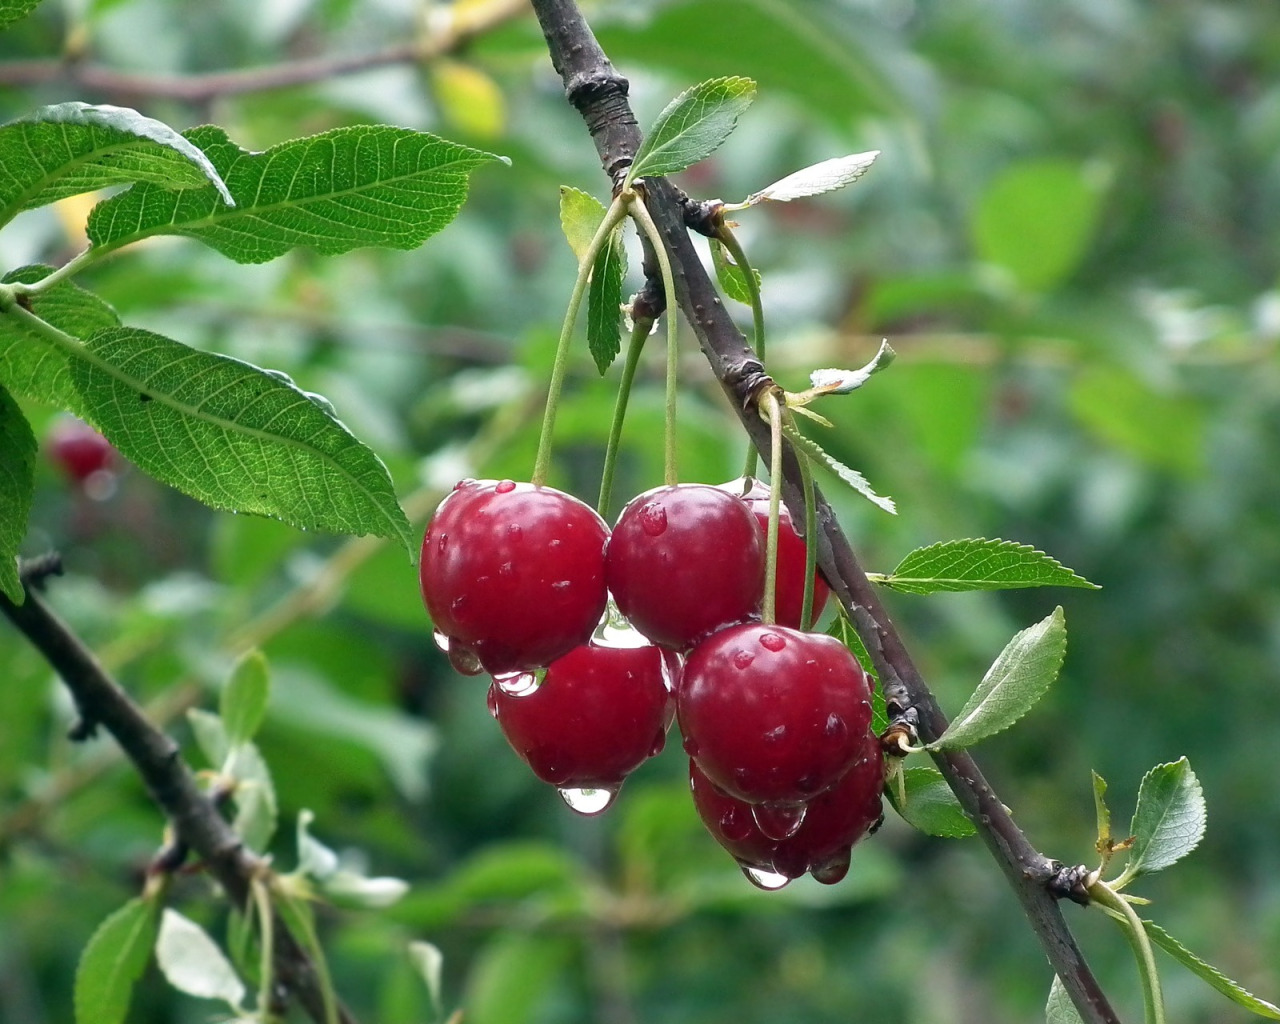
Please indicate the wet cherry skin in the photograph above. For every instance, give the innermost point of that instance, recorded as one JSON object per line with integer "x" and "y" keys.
{"x": 79, "y": 449}
{"x": 685, "y": 561}
{"x": 597, "y": 714}
{"x": 832, "y": 823}
{"x": 789, "y": 599}
{"x": 771, "y": 714}
{"x": 514, "y": 572}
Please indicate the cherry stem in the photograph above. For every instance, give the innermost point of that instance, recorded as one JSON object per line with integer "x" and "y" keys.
{"x": 639, "y": 335}
{"x": 612, "y": 217}
{"x": 641, "y": 214}
{"x": 773, "y": 413}
{"x": 730, "y": 241}
{"x": 1118, "y": 907}
{"x": 810, "y": 544}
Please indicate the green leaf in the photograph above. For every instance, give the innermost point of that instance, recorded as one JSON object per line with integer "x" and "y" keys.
{"x": 580, "y": 216}
{"x": 298, "y": 917}
{"x": 113, "y": 961}
{"x": 29, "y": 366}
{"x": 12, "y": 10}
{"x": 257, "y": 810}
{"x": 233, "y": 436}
{"x": 17, "y": 480}
{"x": 211, "y": 736}
{"x": 979, "y": 564}
{"x": 604, "y": 301}
{"x": 512, "y": 976}
{"x": 1211, "y": 975}
{"x": 1060, "y": 1009}
{"x": 842, "y": 629}
{"x": 337, "y": 191}
{"x": 733, "y": 282}
{"x": 193, "y": 963}
{"x": 850, "y": 476}
{"x": 929, "y": 804}
{"x": 1163, "y": 430}
{"x": 693, "y": 126}
{"x": 1102, "y": 811}
{"x": 70, "y": 148}
{"x": 1019, "y": 677}
{"x": 816, "y": 179}
{"x": 1036, "y": 219}
{"x": 243, "y": 703}
{"x": 315, "y": 860}
{"x": 1169, "y": 821}
{"x": 428, "y": 963}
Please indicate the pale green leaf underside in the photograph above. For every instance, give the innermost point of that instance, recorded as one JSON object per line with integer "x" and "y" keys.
{"x": 12, "y": 10}
{"x": 369, "y": 185}
{"x": 243, "y": 703}
{"x": 31, "y": 367}
{"x": 257, "y": 809}
{"x": 1059, "y": 1009}
{"x": 850, "y": 476}
{"x": 816, "y": 179}
{"x": 17, "y": 473}
{"x": 233, "y": 436}
{"x": 1210, "y": 974}
{"x": 693, "y": 126}
{"x": 580, "y": 216}
{"x": 113, "y": 960}
{"x": 733, "y": 282}
{"x": 930, "y": 806}
{"x": 1019, "y": 677}
{"x": 1169, "y": 821}
{"x": 70, "y": 148}
{"x": 604, "y": 301}
{"x": 193, "y": 963}
{"x": 979, "y": 564}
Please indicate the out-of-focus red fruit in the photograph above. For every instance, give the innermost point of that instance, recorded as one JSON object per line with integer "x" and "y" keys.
{"x": 79, "y": 449}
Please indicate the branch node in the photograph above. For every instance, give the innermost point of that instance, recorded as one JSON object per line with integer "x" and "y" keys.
{"x": 34, "y": 571}
{"x": 1069, "y": 883}
{"x": 702, "y": 216}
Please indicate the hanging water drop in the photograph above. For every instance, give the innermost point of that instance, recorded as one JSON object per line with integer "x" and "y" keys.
{"x": 778, "y": 821}
{"x": 653, "y": 519}
{"x": 441, "y": 640}
{"x": 517, "y": 684}
{"x": 587, "y": 801}
{"x": 833, "y": 870}
{"x": 762, "y": 878}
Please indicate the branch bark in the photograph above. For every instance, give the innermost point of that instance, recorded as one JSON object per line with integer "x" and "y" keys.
{"x": 196, "y": 821}
{"x": 197, "y": 89}
{"x": 599, "y": 93}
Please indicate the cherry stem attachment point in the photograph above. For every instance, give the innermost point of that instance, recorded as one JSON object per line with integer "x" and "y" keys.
{"x": 641, "y": 215}
{"x": 772, "y": 411}
{"x": 639, "y": 335}
{"x": 542, "y": 463}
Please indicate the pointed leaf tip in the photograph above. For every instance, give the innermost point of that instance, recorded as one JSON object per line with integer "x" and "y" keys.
{"x": 826, "y": 176}
{"x": 693, "y": 126}
{"x": 1169, "y": 821}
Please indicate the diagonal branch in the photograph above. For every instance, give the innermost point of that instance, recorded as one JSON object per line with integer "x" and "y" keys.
{"x": 599, "y": 93}
{"x": 195, "y": 819}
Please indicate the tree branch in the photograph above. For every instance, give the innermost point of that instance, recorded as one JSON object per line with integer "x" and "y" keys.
{"x": 599, "y": 93}
{"x": 453, "y": 34}
{"x": 196, "y": 820}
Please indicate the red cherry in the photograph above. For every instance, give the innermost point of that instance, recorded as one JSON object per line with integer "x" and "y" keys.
{"x": 773, "y": 715}
{"x": 596, "y": 716}
{"x": 684, "y": 561}
{"x": 832, "y": 823}
{"x": 789, "y": 598}
{"x": 514, "y": 572}
{"x": 79, "y": 449}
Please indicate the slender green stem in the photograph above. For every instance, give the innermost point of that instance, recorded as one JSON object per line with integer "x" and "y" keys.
{"x": 266, "y": 919}
{"x": 543, "y": 460}
{"x": 641, "y": 213}
{"x": 639, "y": 335}
{"x": 810, "y": 541}
{"x": 71, "y": 267}
{"x": 1152, "y": 999}
{"x": 773, "y": 412}
{"x": 730, "y": 242}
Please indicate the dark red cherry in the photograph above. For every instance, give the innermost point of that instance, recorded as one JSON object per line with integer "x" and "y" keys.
{"x": 773, "y": 715}
{"x": 789, "y": 601}
{"x": 597, "y": 714}
{"x": 79, "y": 449}
{"x": 514, "y": 572}
{"x": 684, "y": 561}
{"x": 831, "y": 824}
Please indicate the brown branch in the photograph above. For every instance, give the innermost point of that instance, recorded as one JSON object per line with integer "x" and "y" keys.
{"x": 196, "y": 821}
{"x": 196, "y": 89}
{"x": 599, "y": 93}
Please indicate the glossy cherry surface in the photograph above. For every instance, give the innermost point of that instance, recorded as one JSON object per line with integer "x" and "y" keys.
{"x": 514, "y": 572}
{"x": 79, "y": 449}
{"x": 684, "y": 561}
{"x": 789, "y": 600}
{"x": 598, "y": 713}
{"x": 832, "y": 822}
{"x": 771, "y": 714}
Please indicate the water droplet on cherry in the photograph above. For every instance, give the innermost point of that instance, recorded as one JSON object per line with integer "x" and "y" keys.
{"x": 653, "y": 519}
{"x": 743, "y": 659}
{"x": 517, "y": 684}
{"x": 505, "y": 486}
{"x": 772, "y": 641}
{"x": 659, "y": 741}
{"x": 441, "y": 542}
{"x": 778, "y": 821}
{"x": 835, "y": 727}
{"x": 587, "y": 801}
{"x": 491, "y": 698}
{"x": 770, "y": 881}
{"x": 691, "y": 746}
{"x": 441, "y": 640}
{"x": 515, "y": 532}
{"x": 833, "y": 870}
{"x": 776, "y": 735}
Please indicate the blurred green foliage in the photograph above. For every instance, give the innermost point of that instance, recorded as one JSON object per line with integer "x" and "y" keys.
{"x": 1069, "y": 239}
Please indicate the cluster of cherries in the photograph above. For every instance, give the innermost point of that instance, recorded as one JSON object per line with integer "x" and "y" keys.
{"x": 785, "y": 771}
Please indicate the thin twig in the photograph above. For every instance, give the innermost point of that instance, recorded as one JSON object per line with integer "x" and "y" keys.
{"x": 196, "y": 89}
{"x": 599, "y": 93}
{"x": 195, "y": 819}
